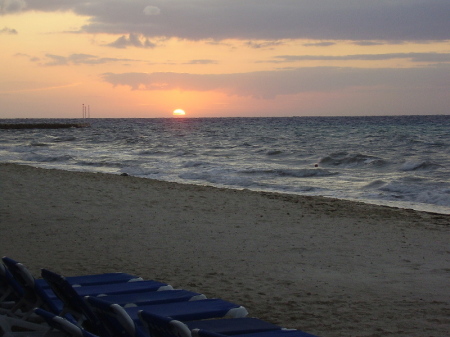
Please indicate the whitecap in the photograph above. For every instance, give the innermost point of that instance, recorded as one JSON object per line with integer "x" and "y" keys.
{"x": 351, "y": 160}
{"x": 419, "y": 165}
{"x": 375, "y": 184}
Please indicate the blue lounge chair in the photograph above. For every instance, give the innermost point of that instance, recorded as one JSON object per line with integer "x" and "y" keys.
{"x": 21, "y": 293}
{"x": 14, "y": 307}
{"x": 23, "y": 285}
{"x": 72, "y": 297}
{"x": 273, "y": 333}
{"x": 61, "y": 324}
{"x": 63, "y": 289}
{"x": 120, "y": 321}
{"x": 73, "y": 303}
{"x": 162, "y": 326}
{"x": 85, "y": 280}
{"x": 11, "y": 292}
{"x": 37, "y": 292}
{"x": 153, "y": 297}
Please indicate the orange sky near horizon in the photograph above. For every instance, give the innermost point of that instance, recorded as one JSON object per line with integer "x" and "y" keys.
{"x": 49, "y": 69}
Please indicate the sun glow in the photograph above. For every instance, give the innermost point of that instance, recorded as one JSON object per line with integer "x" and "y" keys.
{"x": 179, "y": 112}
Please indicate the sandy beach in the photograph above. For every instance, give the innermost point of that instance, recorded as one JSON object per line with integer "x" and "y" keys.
{"x": 328, "y": 267}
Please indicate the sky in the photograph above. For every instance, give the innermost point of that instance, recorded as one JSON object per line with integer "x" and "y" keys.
{"x": 224, "y": 58}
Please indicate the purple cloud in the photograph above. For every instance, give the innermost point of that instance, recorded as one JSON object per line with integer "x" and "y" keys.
{"x": 361, "y": 20}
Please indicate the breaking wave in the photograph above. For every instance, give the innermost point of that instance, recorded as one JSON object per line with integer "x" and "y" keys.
{"x": 351, "y": 160}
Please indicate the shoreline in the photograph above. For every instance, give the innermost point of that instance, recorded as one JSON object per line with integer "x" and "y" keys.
{"x": 403, "y": 205}
{"x": 326, "y": 266}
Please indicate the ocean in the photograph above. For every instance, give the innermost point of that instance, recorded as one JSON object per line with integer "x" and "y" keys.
{"x": 399, "y": 161}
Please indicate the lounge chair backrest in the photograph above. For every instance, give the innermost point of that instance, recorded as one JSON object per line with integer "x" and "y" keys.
{"x": 61, "y": 324}
{"x": 115, "y": 319}
{"x": 8, "y": 285}
{"x": 34, "y": 294}
{"x": 161, "y": 326}
{"x": 20, "y": 272}
{"x": 73, "y": 303}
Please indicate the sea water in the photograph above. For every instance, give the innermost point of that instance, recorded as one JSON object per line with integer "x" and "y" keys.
{"x": 401, "y": 161}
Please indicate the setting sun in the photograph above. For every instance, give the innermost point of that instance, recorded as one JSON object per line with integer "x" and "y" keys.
{"x": 179, "y": 112}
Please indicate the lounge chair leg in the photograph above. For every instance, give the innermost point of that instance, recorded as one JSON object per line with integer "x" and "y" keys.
{"x": 8, "y": 323}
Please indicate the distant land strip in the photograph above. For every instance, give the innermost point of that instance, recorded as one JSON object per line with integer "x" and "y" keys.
{"x": 43, "y": 125}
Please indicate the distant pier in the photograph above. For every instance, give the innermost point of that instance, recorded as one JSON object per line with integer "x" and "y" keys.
{"x": 43, "y": 125}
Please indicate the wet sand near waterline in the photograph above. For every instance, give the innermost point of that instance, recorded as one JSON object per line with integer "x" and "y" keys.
{"x": 329, "y": 267}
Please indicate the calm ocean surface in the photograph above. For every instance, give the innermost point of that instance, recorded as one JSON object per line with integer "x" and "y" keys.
{"x": 396, "y": 161}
